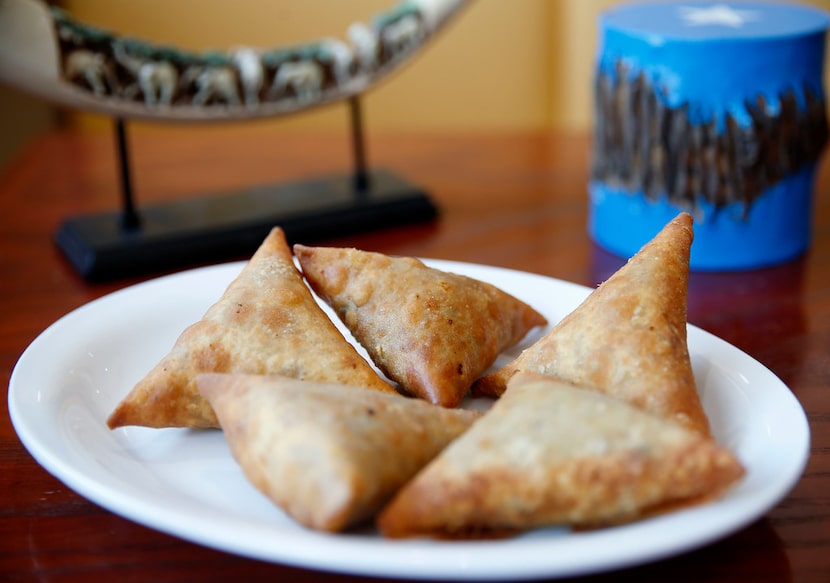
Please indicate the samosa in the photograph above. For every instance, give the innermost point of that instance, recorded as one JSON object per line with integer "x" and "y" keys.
{"x": 329, "y": 455}
{"x": 266, "y": 321}
{"x": 628, "y": 337}
{"x": 551, "y": 453}
{"x": 431, "y": 331}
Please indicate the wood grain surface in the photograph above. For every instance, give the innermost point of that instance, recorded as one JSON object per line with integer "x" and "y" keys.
{"x": 515, "y": 201}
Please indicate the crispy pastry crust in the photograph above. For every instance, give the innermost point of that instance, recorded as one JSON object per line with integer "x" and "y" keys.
{"x": 628, "y": 338}
{"x": 431, "y": 331}
{"x": 329, "y": 455}
{"x": 266, "y": 321}
{"x": 549, "y": 453}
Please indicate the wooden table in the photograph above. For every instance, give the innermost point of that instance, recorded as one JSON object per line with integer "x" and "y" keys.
{"x": 517, "y": 201}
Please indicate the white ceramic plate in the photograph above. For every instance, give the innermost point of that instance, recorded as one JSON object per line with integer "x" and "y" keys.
{"x": 185, "y": 482}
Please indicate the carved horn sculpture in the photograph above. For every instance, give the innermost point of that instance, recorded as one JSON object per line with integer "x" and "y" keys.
{"x": 45, "y": 52}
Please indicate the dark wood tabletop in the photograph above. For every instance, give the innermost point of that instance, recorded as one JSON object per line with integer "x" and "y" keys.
{"x": 516, "y": 201}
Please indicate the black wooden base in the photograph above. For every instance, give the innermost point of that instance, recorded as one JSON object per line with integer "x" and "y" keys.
{"x": 233, "y": 225}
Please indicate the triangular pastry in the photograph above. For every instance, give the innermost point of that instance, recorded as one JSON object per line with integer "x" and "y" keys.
{"x": 550, "y": 453}
{"x": 628, "y": 337}
{"x": 329, "y": 455}
{"x": 266, "y": 321}
{"x": 431, "y": 331}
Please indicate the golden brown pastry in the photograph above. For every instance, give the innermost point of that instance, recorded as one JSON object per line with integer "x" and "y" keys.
{"x": 266, "y": 321}
{"x": 551, "y": 453}
{"x": 431, "y": 331}
{"x": 329, "y": 455}
{"x": 628, "y": 338}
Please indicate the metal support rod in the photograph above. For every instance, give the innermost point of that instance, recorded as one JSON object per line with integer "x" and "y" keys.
{"x": 129, "y": 216}
{"x": 361, "y": 174}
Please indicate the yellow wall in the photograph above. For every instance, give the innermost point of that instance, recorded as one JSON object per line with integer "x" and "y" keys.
{"x": 501, "y": 65}
{"x": 496, "y": 67}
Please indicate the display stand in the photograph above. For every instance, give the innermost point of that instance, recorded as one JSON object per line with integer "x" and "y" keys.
{"x": 229, "y": 225}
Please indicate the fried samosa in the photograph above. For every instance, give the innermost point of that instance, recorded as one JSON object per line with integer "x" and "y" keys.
{"x": 550, "y": 453}
{"x": 266, "y": 321}
{"x": 329, "y": 455}
{"x": 628, "y": 338}
{"x": 431, "y": 331}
